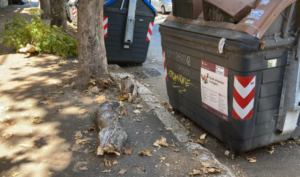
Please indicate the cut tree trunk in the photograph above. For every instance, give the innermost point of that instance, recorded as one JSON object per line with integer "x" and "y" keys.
{"x": 111, "y": 135}
{"x": 91, "y": 49}
{"x": 129, "y": 86}
{"x": 45, "y": 6}
{"x": 58, "y": 13}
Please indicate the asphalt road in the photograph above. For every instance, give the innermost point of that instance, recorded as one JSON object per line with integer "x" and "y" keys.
{"x": 283, "y": 162}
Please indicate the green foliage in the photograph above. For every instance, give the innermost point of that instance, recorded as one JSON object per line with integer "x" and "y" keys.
{"x": 20, "y": 32}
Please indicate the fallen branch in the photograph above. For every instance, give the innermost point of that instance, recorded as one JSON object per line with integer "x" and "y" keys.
{"x": 111, "y": 135}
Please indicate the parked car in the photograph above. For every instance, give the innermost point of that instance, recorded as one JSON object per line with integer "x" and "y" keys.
{"x": 19, "y": 2}
{"x": 162, "y": 5}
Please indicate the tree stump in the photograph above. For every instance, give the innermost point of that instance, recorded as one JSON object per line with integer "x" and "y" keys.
{"x": 129, "y": 86}
{"x": 112, "y": 135}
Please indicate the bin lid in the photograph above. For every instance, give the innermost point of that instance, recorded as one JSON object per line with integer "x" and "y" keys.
{"x": 146, "y": 1}
{"x": 256, "y": 23}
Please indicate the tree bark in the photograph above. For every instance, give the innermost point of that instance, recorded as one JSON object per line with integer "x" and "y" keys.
{"x": 58, "y": 13}
{"x": 45, "y": 6}
{"x": 91, "y": 49}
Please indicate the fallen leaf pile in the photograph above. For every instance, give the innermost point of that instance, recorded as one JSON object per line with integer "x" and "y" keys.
{"x": 146, "y": 153}
{"x": 161, "y": 142}
{"x": 206, "y": 170}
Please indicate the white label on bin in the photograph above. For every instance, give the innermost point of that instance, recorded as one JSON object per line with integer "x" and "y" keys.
{"x": 256, "y": 13}
{"x": 272, "y": 63}
{"x": 249, "y": 21}
{"x": 214, "y": 86}
{"x": 264, "y": 2}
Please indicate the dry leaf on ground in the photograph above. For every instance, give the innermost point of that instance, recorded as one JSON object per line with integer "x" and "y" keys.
{"x": 82, "y": 111}
{"x": 91, "y": 128}
{"x": 195, "y": 172}
{"x": 168, "y": 128}
{"x": 100, "y": 99}
{"x": 85, "y": 132}
{"x": 167, "y": 164}
{"x": 200, "y": 142}
{"x": 162, "y": 159}
{"x": 173, "y": 145}
{"x": 164, "y": 103}
{"x": 127, "y": 150}
{"x": 139, "y": 106}
{"x": 137, "y": 111}
{"x": 107, "y": 163}
{"x": 123, "y": 97}
{"x": 7, "y": 135}
{"x": 82, "y": 142}
{"x": 161, "y": 142}
{"x": 121, "y": 172}
{"x": 115, "y": 162}
{"x": 78, "y": 135}
{"x": 138, "y": 120}
{"x": 94, "y": 90}
{"x": 4, "y": 119}
{"x": 212, "y": 170}
{"x": 106, "y": 171}
{"x": 252, "y": 159}
{"x": 195, "y": 153}
{"x": 57, "y": 92}
{"x": 83, "y": 168}
{"x": 204, "y": 164}
{"x": 74, "y": 149}
{"x": 271, "y": 149}
{"x": 205, "y": 171}
{"x": 203, "y": 136}
{"x": 146, "y": 153}
{"x": 37, "y": 119}
{"x": 15, "y": 174}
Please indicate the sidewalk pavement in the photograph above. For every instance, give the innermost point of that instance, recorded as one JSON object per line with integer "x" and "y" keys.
{"x": 37, "y": 87}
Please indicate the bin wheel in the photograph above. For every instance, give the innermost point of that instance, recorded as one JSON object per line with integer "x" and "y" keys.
{"x": 163, "y": 10}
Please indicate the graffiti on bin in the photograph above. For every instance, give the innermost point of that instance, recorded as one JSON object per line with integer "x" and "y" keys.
{"x": 179, "y": 57}
{"x": 180, "y": 82}
{"x": 185, "y": 71}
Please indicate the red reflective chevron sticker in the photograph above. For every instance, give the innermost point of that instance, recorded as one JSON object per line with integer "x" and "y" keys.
{"x": 165, "y": 65}
{"x": 243, "y": 97}
{"x": 149, "y": 34}
{"x": 105, "y": 25}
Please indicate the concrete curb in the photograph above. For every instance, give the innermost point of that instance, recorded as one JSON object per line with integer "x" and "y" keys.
{"x": 178, "y": 129}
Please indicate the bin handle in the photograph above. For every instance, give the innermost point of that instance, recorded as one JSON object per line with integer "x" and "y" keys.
{"x": 122, "y": 5}
{"x": 221, "y": 45}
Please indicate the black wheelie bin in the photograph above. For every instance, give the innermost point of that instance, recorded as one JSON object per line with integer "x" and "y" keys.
{"x": 234, "y": 69}
{"x": 128, "y": 29}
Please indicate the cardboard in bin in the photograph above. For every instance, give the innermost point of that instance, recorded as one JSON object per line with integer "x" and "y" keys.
{"x": 187, "y": 8}
{"x": 228, "y": 10}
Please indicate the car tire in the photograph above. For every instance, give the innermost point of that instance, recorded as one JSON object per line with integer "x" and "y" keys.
{"x": 163, "y": 10}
